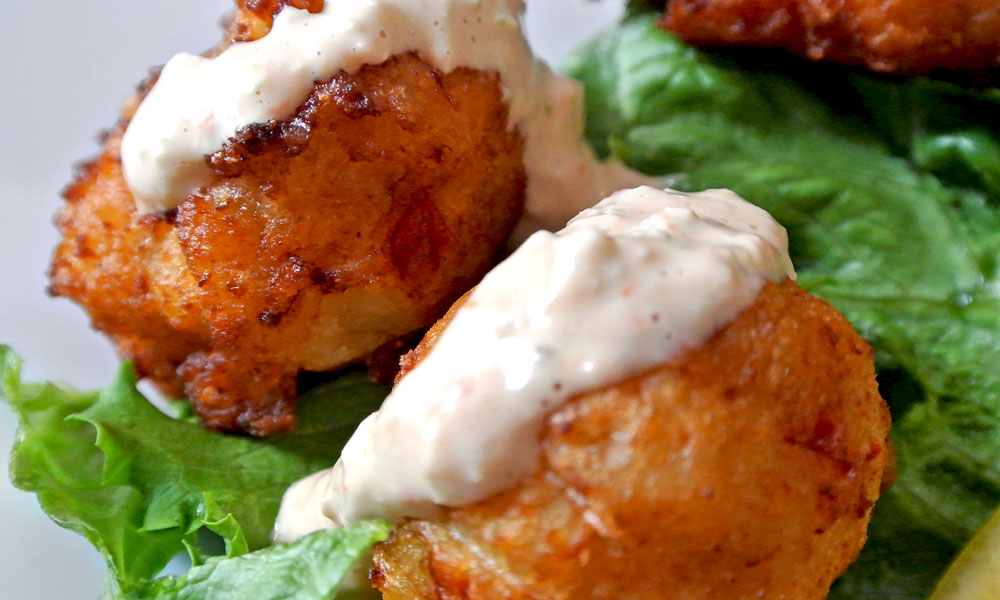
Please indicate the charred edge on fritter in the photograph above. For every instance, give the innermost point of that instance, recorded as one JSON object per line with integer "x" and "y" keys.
{"x": 294, "y": 133}
{"x": 255, "y": 17}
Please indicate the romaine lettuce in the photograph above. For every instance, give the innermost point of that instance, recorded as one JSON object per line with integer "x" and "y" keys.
{"x": 141, "y": 485}
{"x": 890, "y": 191}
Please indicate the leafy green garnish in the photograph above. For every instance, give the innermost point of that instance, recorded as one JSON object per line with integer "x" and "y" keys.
{"x": 889, "y": 190}
{"x": 309, "y": 569}
{"x": 140, "y": 485}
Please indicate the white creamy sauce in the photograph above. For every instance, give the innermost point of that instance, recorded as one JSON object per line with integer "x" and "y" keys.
{"x": 198, "y": 103}
{"x": 628, "y": 285}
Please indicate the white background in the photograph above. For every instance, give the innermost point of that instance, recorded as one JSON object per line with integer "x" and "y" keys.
{"x": 64, "y": 68}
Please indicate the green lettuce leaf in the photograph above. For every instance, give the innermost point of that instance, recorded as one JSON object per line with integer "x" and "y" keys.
{"x": 311, "y": 568}
{"x": 141, "y": 486}
{"x": 889, "y": 190}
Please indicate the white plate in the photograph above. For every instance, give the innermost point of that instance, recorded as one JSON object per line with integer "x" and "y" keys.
{"x": 65, "y": 68}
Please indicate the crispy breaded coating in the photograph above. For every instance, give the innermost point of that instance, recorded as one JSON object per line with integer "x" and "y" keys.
{"x": 745, "y": 469}
{"x": 321, "y": 238}
{"x": 254, "y": 17}
{"x": 908, "y": 37}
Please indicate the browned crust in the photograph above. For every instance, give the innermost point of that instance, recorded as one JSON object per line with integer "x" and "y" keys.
{"x": 907, "y": 37}
{"x": 267, "y": 9}
{"x": 745, "y": 469}
{"x": 321, "y": 238}
{"x": 254, "y": 18}
{"x": 412, "y": 358}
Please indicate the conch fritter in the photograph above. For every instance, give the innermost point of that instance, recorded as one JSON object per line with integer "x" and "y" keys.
{"x": 746, "y": 469}
{"x": 908, "y": 37}
{"x": 320, "y": 237}
{"x": 642, "y": 405}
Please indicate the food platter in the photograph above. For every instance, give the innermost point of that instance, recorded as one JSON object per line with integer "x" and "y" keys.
{"x": 887, "y": 187}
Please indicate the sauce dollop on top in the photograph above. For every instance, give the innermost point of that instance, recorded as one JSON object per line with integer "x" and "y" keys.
{"x": 198, "y": 103}
{"x": 626, "y": 286}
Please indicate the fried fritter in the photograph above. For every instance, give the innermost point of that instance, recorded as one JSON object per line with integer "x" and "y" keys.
{"x": 747, "y": 468}
{"x": 907, "y": 37}
{"x": 321, "y": 238}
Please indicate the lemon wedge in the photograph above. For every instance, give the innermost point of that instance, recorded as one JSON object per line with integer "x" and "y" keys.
{"x": 975, "y": 574}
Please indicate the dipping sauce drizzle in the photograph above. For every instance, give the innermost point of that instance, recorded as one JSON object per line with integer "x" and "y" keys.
{"x": 198, "y": 103}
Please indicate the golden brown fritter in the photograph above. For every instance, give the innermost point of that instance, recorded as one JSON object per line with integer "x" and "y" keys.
{"x": 908, "y": 37}
{"x": 322, "y": 237}
{"x": 745, "y": 469}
